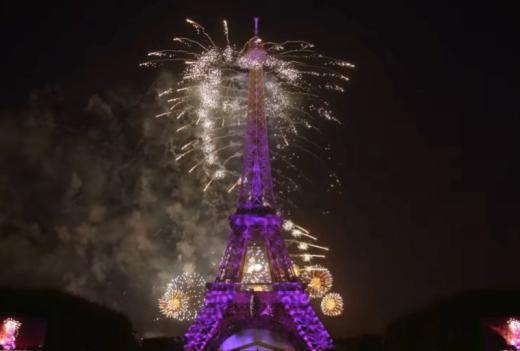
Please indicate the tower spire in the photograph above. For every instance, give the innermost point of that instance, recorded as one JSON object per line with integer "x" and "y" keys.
{"x": 256, "y": 186}
{"x": 256, "y": 19}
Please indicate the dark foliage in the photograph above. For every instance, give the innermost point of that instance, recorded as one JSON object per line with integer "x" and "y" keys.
{"x": 360, "y": 343}
{"x": 163, "y": 344}
{"x": 454, "y": 324}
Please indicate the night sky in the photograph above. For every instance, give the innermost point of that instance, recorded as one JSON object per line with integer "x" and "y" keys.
{"x": 90, "y": 202}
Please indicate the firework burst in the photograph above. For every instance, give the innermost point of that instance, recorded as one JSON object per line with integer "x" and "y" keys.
{"x": 209, "y": 104}
{"x": 174, "y": 304}
{"x": 8, "y": 333}
{"x": 183, "y": 297}
{"x": 318, "y": 280}
{"x": 332, "y": 305}
{"x": 510, "y": 331}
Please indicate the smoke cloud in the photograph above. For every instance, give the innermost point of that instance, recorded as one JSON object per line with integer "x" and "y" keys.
{"x": 93, "y": 202}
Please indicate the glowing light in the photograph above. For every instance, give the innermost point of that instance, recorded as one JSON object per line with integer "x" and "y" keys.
{"x": 183, "y": 297}
{"x": 297, "y": 270}
{"x": 303, "y": 246}
{"x": 211, "y": 100}
{"x": 296, "y": 303}
{"x": 332, "y": 304}
{"x": 510, "y": 331}
{"x": 256, "y": 268}
{"x": 8, "y": 333}
{"x": 287, "y": 225}
{"x": 319, "y": 281}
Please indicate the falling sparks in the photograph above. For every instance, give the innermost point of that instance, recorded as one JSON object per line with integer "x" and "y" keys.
{"x": 319, "y": 281}
{"x": 210, "y": 102}
{"x": 332, "y": 305}
{"x": 183, "y": 297}
{"x": 8, "y": 333}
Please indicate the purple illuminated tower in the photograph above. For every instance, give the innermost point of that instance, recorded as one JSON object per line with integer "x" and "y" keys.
{"x": 256, "y": 300}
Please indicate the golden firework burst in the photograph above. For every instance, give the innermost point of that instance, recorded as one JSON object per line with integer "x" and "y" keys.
{"x": 332, "y": 304}
{"x": 183, "y": 297}
{"x": 174, "y": 304}
{"x": 318, "y": 279}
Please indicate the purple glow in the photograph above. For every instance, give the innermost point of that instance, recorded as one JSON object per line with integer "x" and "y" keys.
{"x": 256, "y": 25}
{"x": 510, "y": 331}
{"x": 8, "y": 334}
{"x": 256, "y": 188}
{"x": 258, "y": 338}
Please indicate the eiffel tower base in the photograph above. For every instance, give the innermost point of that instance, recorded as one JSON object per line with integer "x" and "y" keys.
{"x": 233, "y": 319}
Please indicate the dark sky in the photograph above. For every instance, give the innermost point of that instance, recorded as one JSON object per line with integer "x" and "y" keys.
{"x": 427, "y": 151}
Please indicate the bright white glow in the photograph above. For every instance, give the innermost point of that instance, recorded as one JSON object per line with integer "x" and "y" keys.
{"x": 256, "y": 266}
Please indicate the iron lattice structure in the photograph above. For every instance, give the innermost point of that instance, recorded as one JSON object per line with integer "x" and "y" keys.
{"x": 256, "y": 286}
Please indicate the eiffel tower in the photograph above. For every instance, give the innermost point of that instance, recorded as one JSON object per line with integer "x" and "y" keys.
{"x": 256, "y": 301}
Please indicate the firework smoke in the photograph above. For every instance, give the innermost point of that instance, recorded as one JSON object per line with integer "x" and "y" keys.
{"x": 124, "y": 218}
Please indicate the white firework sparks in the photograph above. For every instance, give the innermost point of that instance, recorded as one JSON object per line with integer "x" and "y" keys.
{"x": 183, "y": 297}
{"x": 210, "y": 103}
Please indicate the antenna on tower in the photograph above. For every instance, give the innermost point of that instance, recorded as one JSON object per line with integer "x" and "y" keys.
{"x": 256, "y": 25}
